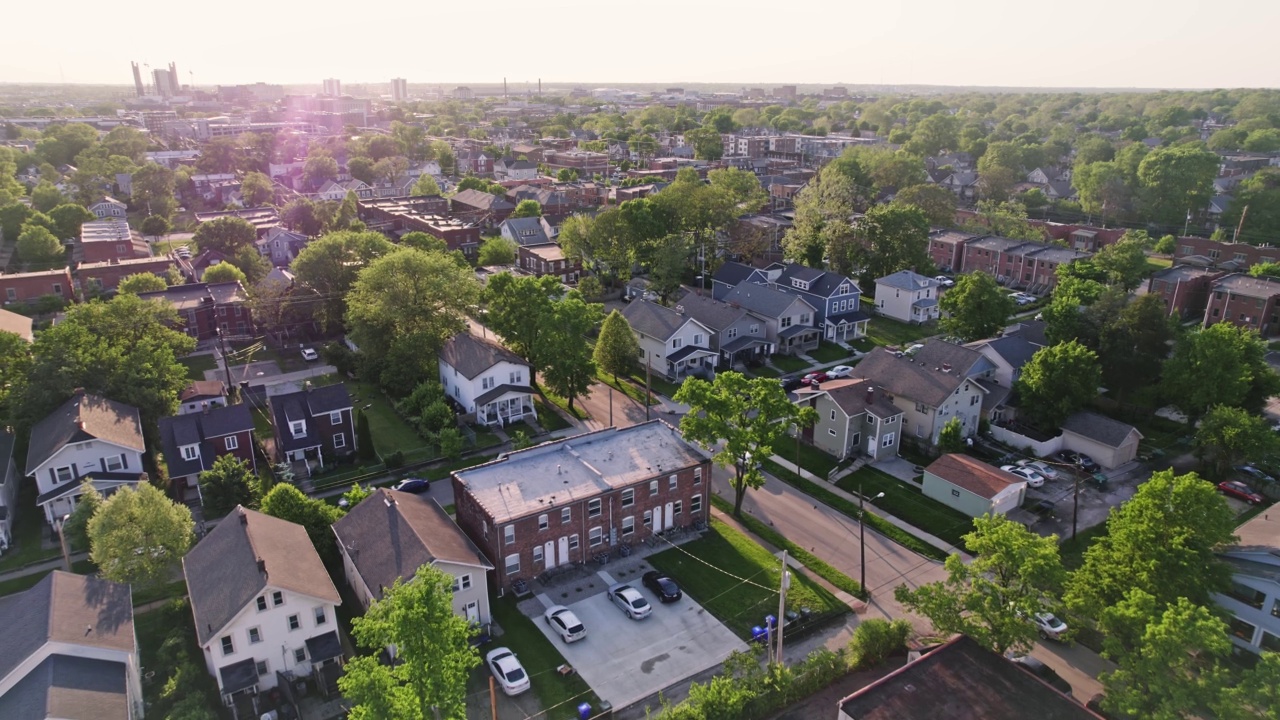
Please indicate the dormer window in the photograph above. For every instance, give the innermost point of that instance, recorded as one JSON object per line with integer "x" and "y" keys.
{"x": 190, "y": 452}
{"x": 298, "y": 428}
{"x": 844, "y": 289}
{"x": 799, "y": 284}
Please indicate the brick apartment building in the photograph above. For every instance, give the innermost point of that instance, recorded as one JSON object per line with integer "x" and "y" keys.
{"x": 1184, "y": 289}
{"x": 1017, "y": 263}
{"x": 428, "y": 214}
{"x": 563, "y": 502}
{"x": 586, "y": 163}
{"x": 548, "y": 259}
{"x": 25, "y": 287}
{"x": 107, "y": 240}
{"x": 107, "y": 275}
{"x": 946, "y": 248}
{"x": 1245, "y": 301}
{"x": 1241, "y": 256}
{"x": 207, "y": 308}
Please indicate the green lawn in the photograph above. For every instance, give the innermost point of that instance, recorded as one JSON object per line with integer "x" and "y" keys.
{"x": 167, "y": 639}
{"x": 811, "y": 458}
{"x": 29, "y": 528}
{"x": 540, "y": 659}
{"x": 623, "y": 385}
{"x": 390, "y": 432}
{"x": 712, "y": 568}
{"x": 1072, "y": 551}
{"x": 548, "y": 417}
{"x": 1162, "y": 434}
{"x": 829, "y": 352}
{"x": 197, "y": 364}
{"x": 563, "y": 404}
{"x": 909, "y": 504}
{"x": 885, "y": 331}
{"x": 1156, "y": 263}
{"x": 789, "y": 363}
{"x": 657, "y": 384}
{"x": 766, "y": 371}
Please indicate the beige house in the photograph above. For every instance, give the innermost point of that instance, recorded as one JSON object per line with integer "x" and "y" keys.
{"x": 972, "y": 486}
{"x": 930, "y": 386}
{"x": 908, "y": 297}
{"x": 1110, "y": 443}
{"x": 853, "y": 419}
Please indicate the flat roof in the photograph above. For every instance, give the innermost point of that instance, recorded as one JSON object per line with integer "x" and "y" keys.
{"x": 548, "y": 252}
{"x": 1248, "y": 286}
{"x": 554, "y": 473}
{"x": 105, "y": 231}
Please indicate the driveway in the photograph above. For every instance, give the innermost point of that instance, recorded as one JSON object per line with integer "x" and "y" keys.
{"x": 1094, "y": 504}
{"x": 625, "y": 661}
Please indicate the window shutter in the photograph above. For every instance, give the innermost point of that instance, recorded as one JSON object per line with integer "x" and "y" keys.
{"x": 124, "y": 460}
{"x": 74, "y": 471}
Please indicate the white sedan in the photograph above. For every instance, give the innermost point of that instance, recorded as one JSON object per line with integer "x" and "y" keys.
{"x": 565, "y": 623}
{"x": 1041, "y": 467}
{"x": 630, "y": 601}
{"x": 1050, "y": 626}
{"x": 1033, "y": 478}
{"x": 310, "y": 355}
{"x": 507, "y": 670}
{"x": 840, "y": 371}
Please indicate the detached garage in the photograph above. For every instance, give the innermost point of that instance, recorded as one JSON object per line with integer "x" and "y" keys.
{"x": 1110, "y": 443}
{"x": 972, "y": 486}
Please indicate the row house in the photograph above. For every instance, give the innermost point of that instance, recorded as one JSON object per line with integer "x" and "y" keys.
{"x": 738, "y": 334}
{"x": 1184, "y": 289}
{"x": 209, "y": 309}
{"x": 425, "y": 213}
{"x": 562, "y": 502}
{"x": 1245, "y": 301}
{"x": 527, "y": 231}
{"x": 108, "y": 274}
{"x": 473, "y": 162}
{"x": 947, "y": 247}
{"x": 194, "y": 441}
{"x": 335, "y": 191}
{"x": 512, "y": 169}
{"x": 26, "y": 287}
{"x": 587, "y": 164}
{"x": 672, "y": 344}
{"x": 836, "y": 300}
{"x": 554, "y": 203}
{"x": 479, "y": 206}
{"x": 261, "y": 218}
{"x": 1233, "y": 256}
{"x": 106, "y": 240}
{"x": 1018, "y": 263}
{"x": 548, "y": 259}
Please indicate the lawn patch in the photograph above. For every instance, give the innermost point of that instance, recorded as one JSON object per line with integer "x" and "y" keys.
{"x": 197, "y": 364}
{"x": 540, "y": 659}
{"x": 390, "y": 432}
{"x": 657, "y": 384}
{"x": 829, "y": 352}
{"x": 812, "y": 458}
{"x": 563, "y": 404}
{"x": 885, "y": 331}
{"x": 910, "y": 504}
{"x": 766, "y": 371}
{"x": 789, "y": 363}
{"x": 712, "y": 568}
{"x": 548, "y": 417}
{"x": 623, "y": 385}
{"x": 29, "y": 529}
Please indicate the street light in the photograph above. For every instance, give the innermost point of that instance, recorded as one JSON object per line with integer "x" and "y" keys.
{"x": 862, "y": 534}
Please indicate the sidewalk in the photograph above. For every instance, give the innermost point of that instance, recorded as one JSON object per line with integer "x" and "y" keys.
{"x": 42, "y": 567}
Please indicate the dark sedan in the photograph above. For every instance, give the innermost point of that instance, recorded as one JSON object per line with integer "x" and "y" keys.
{"x": 664, "y": 587}
{"x": 413, "y": 485}
{"x": 790, "y": 384}
{"x": 1240, "y": 491}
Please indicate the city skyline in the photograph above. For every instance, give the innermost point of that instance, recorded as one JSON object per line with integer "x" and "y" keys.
{"x": 989, "y": 43}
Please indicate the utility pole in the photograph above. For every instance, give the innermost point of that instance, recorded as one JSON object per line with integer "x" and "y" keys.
{"x": 610, "y": 404}
{"x": 493, "y": 699}
{"x": 62, "y": 540}
{"x": 1240, "y": 224}
{"x": 1075, "y": 504}
{"x": 862, "y": 535}
{"x": 226, "y": 369}
{"x": 782, "y": 602}
{"x": 648, "y": 396}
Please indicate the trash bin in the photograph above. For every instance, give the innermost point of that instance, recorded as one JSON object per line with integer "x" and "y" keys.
{"x": 584, "y": 711}
{"x": 759, "y": 634}
{"x": 770, "y": 621}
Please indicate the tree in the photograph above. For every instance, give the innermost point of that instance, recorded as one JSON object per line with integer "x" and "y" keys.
{"x": 706, "y": 142}
{"x": 228, "y": 483}
{"x": 1166, "y": 245}
{"x": 152, "y": 189}
{"x": 403, "y": 307}
{"x": 975, "y": 308}
{"x": 750, "y": 416}
{"x": 1057, "y": 381}
{"x": 890, "y": 238}
{"x": 566, "y": 175}
{"x": 287, "y": 502}
{"x": 1177, "y": 180}
{"x": 496, "y": 250}
{"x": 1124, "y": 262}
{"x": 1256, "y": 696}
{"x": 60, "y": 144}
{"x": 319, "y": 168}
{"x": 433, "y": 652}
{"x": 1013, "y": 575}
{"x": 226, "y": 235}
{"x": 68, "y": 219}
{"x": 1229, "y": 435}
{"x": 155, "y": 226}
{"x": 126, "y": 141}
{"x": 257, "y": 189}
{"x": 1006, "y": 219}
{"x": 520, "y": 311}
{"x": 328, "y": 268}
{"x": 937, "y": 203}
{"x": 670, "y": 261}
{"x": 951, "y": 437}
{"x": 616, "y": 350}
{"x": 76, "y": 527}
{"x": 1163, "y": 541}
{"x": 1220, "y": 365}
{"x": 573, "y": 369}
{"x": 45, "y": 196}
{"x": 1132, "y": 344}
{"x": 15, "y": 364}
{"x": 426, "y": 185}
{"x": 823, "y": 209}
{"x": 527, "y": 208}
{"x": 364, "y": 439}
{"x": 934, "y": 134}
{"x": 138, "y": 536}
{"x": 423, "y": 241}
{"x": 742, "y": 187}
{"x": 37, "y": 246}
{"x": 304, "y": 216}
{"x": 12, "y": 217}
{"x": 142, "y": 283}
{"x": 223, "y": 272}
{"x": 997, "y": 183}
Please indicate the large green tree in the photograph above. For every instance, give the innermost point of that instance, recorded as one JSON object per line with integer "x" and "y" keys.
{"x": 890, "y": 238}
{"x": 617, "y": 351}
{"x": 37, "y": 246}
{"x": 1222, "y": 364}
{"x": 822, "y": 217}
{"x": 496, "y": 250}
{"x": 748, "y": 415}
{"x": 227, "y": 235}
{"x": 228, "y": 483}
{"x": 69, "y": 217}
{"x": 328, "y": 267}
{"x": 527, "y": 208}
{"x": 316, "y": 516}
{"x": 256, "y": 189}
{"x": 223, "y": 272}
{"x": 142, "y": 283}
{"x": 45, "y": 196}
{"x": 520, "y": 310}
{"x": 937, "y": 203}
{"x": 152, "y": 190}
{"x": 138, "y": 536}
{"x": 15, "y": 363}
{"x": 571, "y": 369}
{"x": 433, "y": 651}
{"x": 1124, "y": 263}
{"x": 1133, "y": 345}
{"x": 1014, "y": 574}
{"x": 975, "y": 308}
{"x": 1229, "y": 435}
{"x": 1177, "y": 180}
{"x": 1057, "y": 381}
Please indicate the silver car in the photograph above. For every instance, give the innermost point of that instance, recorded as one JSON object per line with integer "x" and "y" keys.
{"x": 630, "y": 601}
{"x": 565, "y": 623}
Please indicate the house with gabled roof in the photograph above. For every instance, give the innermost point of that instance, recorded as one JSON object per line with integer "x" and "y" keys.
{"x": 391, "y": 534}
{"x": 488, "y": 381}
{"x": 908, "y": 296}
{"x": 263, "y": 605}
{"x": 930, "y": 386}
{"x": 672, "y": 343}
{"x": 509, "y": 168}
{"x": 87, "y": 437}
{"x": 526, "y": 231}
{"x": 836, "y": 299}
{"x": 19, "y": 325}
{"x": 478, "y": 206}
{"x": 312, "y": 423}
{"x": 853, "y": 419}
{"x": 737, "y": 333}
{"x": 788, "y": 319}
{"x": 193, "y": 442}
{"x": 1109, "y": 442}
{"x": 973, "y": 487}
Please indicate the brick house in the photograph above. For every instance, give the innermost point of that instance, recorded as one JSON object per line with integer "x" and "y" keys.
{"x": 107, "y": 240}
{"x": 549, "y": 260}
{"x": 312, "y": 423}
{"x": 1242, "y": 255}
{"x": 1184, "y": 289}
{"x": 480, "y": 206}
{"x": 192, "y": 442}
{"x": 563, "y": 501}
{"x": 1018, "y": 263}
{"x": 24, "y": 287}
{"x": 207, "y": 308}
{"x": 107, "y": 275}
{"x": 425, "y": 213}
{"x": 586, "y": 163}
{"x": 946, "y": 248}
{"x": 1245, "y": 301}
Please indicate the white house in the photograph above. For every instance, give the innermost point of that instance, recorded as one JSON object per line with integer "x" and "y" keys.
{"x": 337, "y": 191}
{"x": 391, "y": 534}
{"x": 972, "y": 486}
{"x": 109, "y": 207}
{"x": 8, "y": 490}
{"x": 487, "y": 380}
{"x": 672, "y": 343}
{"x": 511, "y": 169}
{"x": 426, "y": 167}
{"x": 263, "y": 604}
{"x": 1253, "y": 600}
{"x": 69, "y": 651}
{"x": 907, "y": 296}
{"x": 930, "y": 386}
{"x": 87, "y": 437}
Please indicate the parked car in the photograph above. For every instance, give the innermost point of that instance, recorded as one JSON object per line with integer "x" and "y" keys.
{"x": 944, "y": 281}
{"x": 507, "y": 670}
{"x": 664, "y": 587}
{"x": 840, "y": 371}
{"x": 1067, "y": 457}
{"x": 793, "y": 383}
{"x": 565, "y": 623}
{"x": 1240, "y": 491}
{"x": 310, "y": 355}
{"x": 1040, "y": 466}
{"x": 1033, "y": 478}
{"x": 1086, "y": 463}
{"x": 1254, "y": 473}
{"x": 629, "y": 600}
{"x": 1050, "y": 626}
{"x": 1042, "y": 671}
{"x": 815, "y": 378}
{"x": 413, "y": 485}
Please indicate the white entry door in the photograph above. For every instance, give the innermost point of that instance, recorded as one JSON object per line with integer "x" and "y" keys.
{"x": 564, "y": 550}
{"x": 657, "y": 520}
{"x": 473, "y": 612}
{"x": 671, "y": 514}
{"x": 549, "y": 553}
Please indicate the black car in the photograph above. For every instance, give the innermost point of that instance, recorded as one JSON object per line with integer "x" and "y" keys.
{"x": 664, "y": 587}
{"x": 1070, "y": 457}
{"x": 1044, "y": 672}
{"x": 1086, "y": 463}
{"x": 791, "y": 384}
{"x": 413, "y": 485}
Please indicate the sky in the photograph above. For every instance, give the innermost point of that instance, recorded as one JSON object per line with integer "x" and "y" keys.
{"x": 1009, "y": 43}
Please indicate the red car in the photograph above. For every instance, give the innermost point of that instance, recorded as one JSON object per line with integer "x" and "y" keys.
{"x": 815, "y": 378}
{"x": 1240, "y": 491}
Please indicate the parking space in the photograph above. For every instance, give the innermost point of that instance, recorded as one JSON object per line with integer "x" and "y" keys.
{"x": 1094, "y": 504}
{"x": 627, "y": 660}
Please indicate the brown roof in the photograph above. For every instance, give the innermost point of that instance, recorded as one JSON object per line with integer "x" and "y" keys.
{"x": 471, "y": 355}
{"x": 973, "y": 475}
{"x": 19, "y": 325}
{"x": 84, "y": 417}
{"x": 203, "y": 388}
{"x": 851, "y": 395}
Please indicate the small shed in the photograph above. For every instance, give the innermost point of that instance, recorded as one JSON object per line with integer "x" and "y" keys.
{"x": 1109, "y": 442}
{"x": 972, "y": 486}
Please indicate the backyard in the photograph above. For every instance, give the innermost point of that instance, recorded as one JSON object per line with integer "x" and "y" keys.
{"x": 197, "y": 364}
{"x": 909, "y": 503}
{"x": 884, "y": 331}
{"x": 736, "y": 579}
{"x": 540, "y": 659}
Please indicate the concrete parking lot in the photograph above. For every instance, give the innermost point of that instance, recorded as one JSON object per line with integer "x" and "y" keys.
{"x": 1094, "y": 507}
{"x": 625, "y": 661}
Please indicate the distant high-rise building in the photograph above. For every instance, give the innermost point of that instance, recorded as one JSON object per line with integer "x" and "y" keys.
{"x": 399, "y": 89}
{"x": 137, "y": 80}
{"x": 786, "y": 92}
{"x": 162, "y": 82}
{"x": 175, "y": 85}
{"x": 332, "y": 87}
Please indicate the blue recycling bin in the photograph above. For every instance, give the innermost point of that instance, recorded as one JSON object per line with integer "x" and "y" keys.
{"x": 759, "y": 634}
{"x": 770, "y": 621}
{"x": 584, "y": 711}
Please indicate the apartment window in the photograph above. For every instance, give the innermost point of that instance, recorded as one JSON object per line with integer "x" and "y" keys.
{"x": 298, "y": 428}
{"x": 232, "y": 442}
{"x": 786, "y": 322}
{"x": 1247, "y": 595}
{"x": 731, "y": 333}
{"x": 673, "y": 482}
{"x": 11, "y": 294}
{"x": 1238, "y": 257}
{"x": 593, "y": 508}
{"x": 595, "y": 536}
{"x": 565, "y": 516}
{"x": 57, "y": 288}
{"x": 486, "y": 383}
{"x": 628, "y": 497}
{"x": 628, "y": 525}
{"x": 300, "y": 655}
{"x": 113, "y": 463}
{"x": 697, "y": 476}
{"x": 294, "y": 623}
{"x": 648, "y": 519}
{"x": 921, "y": 408}
{"x": 228, "y": 645}
{"x": 1242, "y": 629}
{"x": 573, "y": 542}
{"x": 804, "y": 319}
{"x": 676, "y": 343}
{"x": 516, "y": 378}
{"x": 695, "y": 504}
{"x": 462, "y": 582}
{"x": 1275, "y": 608}
{"x": 255, "y": 635}
{"x": 277, "y": 598}
{"x": 335, "y": 418}
{"x": 261, "y": 667}
{"x": 320, "y": 617}
{"x": 190, "y": 452}
{"x": 755, "y": 329}
{"x": 1185, "y": 250}
{"x": 509, "y": 535}
{"x": 513, "y": 564}
{"x": 974, "y": 400}
{"x": 262, "y": 603}
{"x": 653, "y": 488}
{"x": 339, "y": 440}
{"x": 679, "y": 507}
{"x": 537, "y": 554}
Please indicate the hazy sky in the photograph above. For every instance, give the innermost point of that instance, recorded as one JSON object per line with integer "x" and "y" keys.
{"x": 1082, "y": 43}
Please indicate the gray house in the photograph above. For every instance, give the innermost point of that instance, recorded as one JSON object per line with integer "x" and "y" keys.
{"x": 853, "y": 419}
{"x": 736, "y": 333}
{"x": 672, "y": 343}
{"x": 788, "y": 319}
{"x": 836, "y": 299}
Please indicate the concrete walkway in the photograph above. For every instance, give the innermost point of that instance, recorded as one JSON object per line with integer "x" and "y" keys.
{"x": 42, "y": 567}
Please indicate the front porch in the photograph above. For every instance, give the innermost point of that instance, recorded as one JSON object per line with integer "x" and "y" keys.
{"x": 690, "y": 360}
{"x": 304, "y": 462}
{"x": 508, "y": 408}
{"x": 846, "y": 326}
{"x": 798, "y": 339}
{"x": 746, "y": 352}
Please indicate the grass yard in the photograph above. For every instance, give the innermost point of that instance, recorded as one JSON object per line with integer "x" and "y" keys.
{"x": 548, "y": 417}
{"x": 909, "y": 504}
{"x": 829, "y": 352}
{"x": 623, "y": 385}
{"x": 197, "y": 364}
{"x": 540, "y": 659}
{"x": 1072, "y": 551}
{"x": 1158, "y": 262}
{"x": 811, "y": 458}
{"x": 712, "y": 569}
{"x": 29, "y": 528}
{"x": 1162, "y": 434}
{"x": 766, "y": 371}
{"x": 261, "y": 423}
{"x": 885, "y": 331}
{"x": 390, "y": 432}
{"x": 789, "y": 363}
{"x": 657, "y": 384}
{"x": 563, "y": 404}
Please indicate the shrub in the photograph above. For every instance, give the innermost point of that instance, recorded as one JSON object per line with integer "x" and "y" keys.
{"x": 394, "y": 460}
{"x": 876, "y": 639}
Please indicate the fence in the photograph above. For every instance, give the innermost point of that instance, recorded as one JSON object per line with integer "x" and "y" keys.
{"x": 1039, "y": 448}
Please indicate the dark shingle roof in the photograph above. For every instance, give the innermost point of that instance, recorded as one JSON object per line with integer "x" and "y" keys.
{"x": 908, "y": 378}
{"x": 305, "y": 405}
{"x": 482, "y": 200}
{"x": 1099, "y": 428}
{"x": 527, "y": 231}
{"x": 939, "y": 354}
{"x": 69, "y": 688}
{"x": 908, "y": 280}
{"x": 732, "y": 273}
{"x": 84, "y": 417}
{"x": 391, "y": 534}
{"x": 762, "y": 299}
{"x": 710, "y": 312}
{"x": 821, "y": 282}
{"x": 195, "y": 428}
{"x": 471, "y": 355}
{"x": 246, "y": 553}
{"x": 1015, "y": 349}
{"x": 653, "y": 319}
